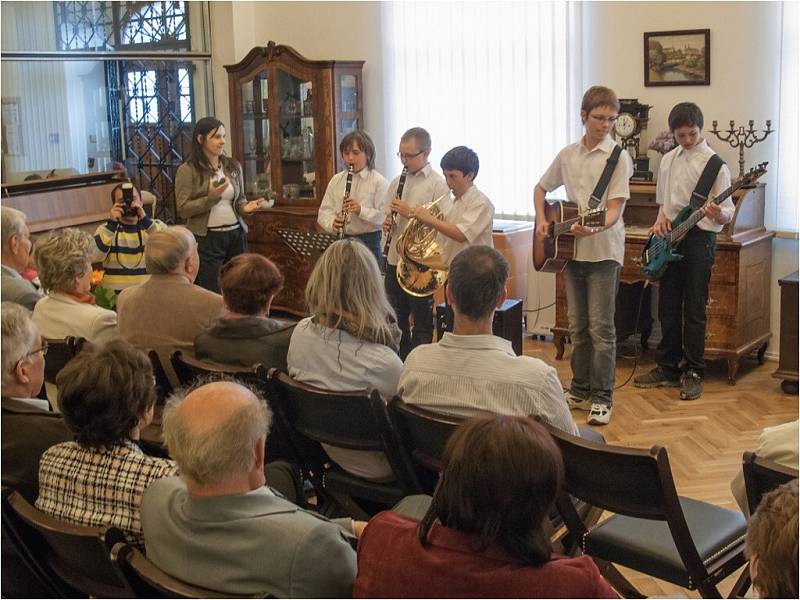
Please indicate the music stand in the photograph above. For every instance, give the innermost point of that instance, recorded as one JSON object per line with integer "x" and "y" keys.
{"x": 310, "y": 244}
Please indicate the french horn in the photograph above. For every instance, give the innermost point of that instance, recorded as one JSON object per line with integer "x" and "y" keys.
{"x": 421, "y": 264}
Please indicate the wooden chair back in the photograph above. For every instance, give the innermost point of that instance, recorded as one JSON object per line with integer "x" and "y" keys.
{"x": 73, "y": 559}
{"x": 761, "y": 476}
{"x": 148, "y": 581}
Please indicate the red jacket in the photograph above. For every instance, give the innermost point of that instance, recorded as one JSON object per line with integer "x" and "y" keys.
{"x": 392, "y": 563}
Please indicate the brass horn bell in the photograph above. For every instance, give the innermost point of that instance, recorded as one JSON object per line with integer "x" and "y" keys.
{"x": 421, "y": 264}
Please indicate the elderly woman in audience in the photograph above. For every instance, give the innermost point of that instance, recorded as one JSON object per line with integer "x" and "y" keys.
{"x": 107, "y": 398}
{"x": 246, "y": 335}
{"x": 772, "y": 543}
{"x": 350, "y": 342}
{"x": 65, "y": 271}
{"x": 28, "y": 427}
{"x": 485, "y": 532}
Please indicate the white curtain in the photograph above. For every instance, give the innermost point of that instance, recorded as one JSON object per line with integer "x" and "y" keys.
{"x": 786, "y": 215}
{"x": 500, "y": 77}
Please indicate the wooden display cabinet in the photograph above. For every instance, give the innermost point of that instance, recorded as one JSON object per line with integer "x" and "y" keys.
{"x": 288, "y": 115}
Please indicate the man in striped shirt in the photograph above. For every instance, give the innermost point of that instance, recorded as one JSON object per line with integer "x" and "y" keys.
{"x": 471, "y": 370}
{"x": 120, "y": 241}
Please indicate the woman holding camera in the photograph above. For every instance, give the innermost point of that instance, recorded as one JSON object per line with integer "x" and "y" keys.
{"x": 209, "y": 192}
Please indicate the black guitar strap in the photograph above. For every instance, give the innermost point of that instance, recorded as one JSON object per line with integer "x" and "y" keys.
{"x": 707, "y": 177}
{"x": 605, "y": 178}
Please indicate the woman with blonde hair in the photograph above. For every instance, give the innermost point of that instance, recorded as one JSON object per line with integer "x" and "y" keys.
{"x": 63, "y": 258}
{"x": 350, "y": 342}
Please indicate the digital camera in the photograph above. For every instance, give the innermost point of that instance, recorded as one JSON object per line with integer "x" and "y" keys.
{"x": 128, "y": 210}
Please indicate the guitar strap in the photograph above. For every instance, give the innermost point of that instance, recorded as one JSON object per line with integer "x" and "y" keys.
{"x": 707, "y": 177}
{"x": 605, "y": 178}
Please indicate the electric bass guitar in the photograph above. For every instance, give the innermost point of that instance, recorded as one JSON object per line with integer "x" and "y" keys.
{"x": 660, "y": 252}
{"x": 553, "y": 251}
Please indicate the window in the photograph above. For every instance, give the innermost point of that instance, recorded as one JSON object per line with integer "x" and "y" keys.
{"x": 499, "y": 77}
{"x": 141, "y": 90}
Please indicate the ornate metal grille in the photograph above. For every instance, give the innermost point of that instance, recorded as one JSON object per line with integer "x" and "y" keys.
{"x": 84, "y": 25}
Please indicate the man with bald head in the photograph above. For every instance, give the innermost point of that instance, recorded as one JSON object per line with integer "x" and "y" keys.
{"x": 166, "y": 312}
{"x": 219, "y": 525}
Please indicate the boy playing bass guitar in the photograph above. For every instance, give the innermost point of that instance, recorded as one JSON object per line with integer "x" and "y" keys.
{"x": 592, "y": 276}
{"x": 683, "y": 289}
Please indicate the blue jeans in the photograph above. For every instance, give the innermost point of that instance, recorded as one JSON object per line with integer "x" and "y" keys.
{"x": 591, "y": 301}
{"x": 372, "y": 240}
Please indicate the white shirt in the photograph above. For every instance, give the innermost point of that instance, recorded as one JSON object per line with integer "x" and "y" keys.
{"x": 222, "y": 213}
{"x": 473, "y": 214}
{"x": 578, "y": 169}
{"x": 334, "y": 360}
{"x": 368, "y": 189}
{"x": 678, "y": 175}
{"x": 421, "y": 187}
{"x": 465, "y": 374}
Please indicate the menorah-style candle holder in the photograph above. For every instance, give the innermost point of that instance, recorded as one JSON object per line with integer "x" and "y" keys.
{"x": 741, "y": 138}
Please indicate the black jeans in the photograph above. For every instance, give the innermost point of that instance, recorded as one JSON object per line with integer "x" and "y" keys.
{"x": 682, "y": 299}
{"x": 215, "y": 249}
{"x": 406, "y": 305}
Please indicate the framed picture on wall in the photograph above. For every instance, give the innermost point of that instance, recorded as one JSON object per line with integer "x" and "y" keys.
{"x": 677, "y": 57}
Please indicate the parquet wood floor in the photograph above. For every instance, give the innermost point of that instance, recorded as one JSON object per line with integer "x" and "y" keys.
{"x": 705, "y": 438}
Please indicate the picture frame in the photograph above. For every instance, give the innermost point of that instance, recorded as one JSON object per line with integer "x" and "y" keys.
{"x": 680, "y": 57}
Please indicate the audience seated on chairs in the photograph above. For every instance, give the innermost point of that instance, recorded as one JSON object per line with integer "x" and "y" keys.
{"x": 772, "y": 543}
{"x": 107, "y": 397}
{"x": 119, "y": 243}
{"x": 14, "y": 252}
{"x": 778, "y": 444}
{"x": 484, "y": 534}
{"x": 351, "y": 340}
{"x": 246, "y": 335}
{"x": 28, "y": 427}
{"x": 472, "y": 370}
{"x": 220, "y": 526}
{"x": 167, "y": 312}
{"x": 63, "y": 258}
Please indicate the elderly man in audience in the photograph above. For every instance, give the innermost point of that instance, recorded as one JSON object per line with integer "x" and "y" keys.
{"x": 471, "y": 370}
{"x": 771, "y": 543}
{"x": 484, "y": 534}
{"x": 167, "y": 312}
{"x": 16, "y": 249}
{"x": 221, "y": 526}
{"x": 28, "y": 427}
{"x": 107, "y": 398}
{"x": 246, "y": 335}
{"x": 779, "y": 444}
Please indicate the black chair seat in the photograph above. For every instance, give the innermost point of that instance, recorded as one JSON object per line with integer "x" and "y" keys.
{"x": 648, "y": 546}
{"x": 339, "y": 481}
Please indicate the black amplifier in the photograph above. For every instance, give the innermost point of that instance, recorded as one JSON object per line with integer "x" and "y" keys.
{"x": 507, "y": 322}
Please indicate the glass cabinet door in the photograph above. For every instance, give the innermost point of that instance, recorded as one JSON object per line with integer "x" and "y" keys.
{"x": 348, "y": 105}
{"x": 256, "y": 138}
{"x": 296, "y": 120}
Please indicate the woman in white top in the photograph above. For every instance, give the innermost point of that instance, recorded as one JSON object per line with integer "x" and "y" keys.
{"x": 365, "y": 207}
{"x": 69, "y": 309}
{"x": 209, "y": 194}
{"x": 351, "y": 340}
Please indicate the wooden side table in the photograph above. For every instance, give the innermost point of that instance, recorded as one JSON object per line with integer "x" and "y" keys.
{"x": 788, "y": 359}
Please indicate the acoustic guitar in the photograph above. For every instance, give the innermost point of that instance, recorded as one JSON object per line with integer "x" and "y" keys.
{"x": 553, "y": 251}
{"x": 659, "y": 252}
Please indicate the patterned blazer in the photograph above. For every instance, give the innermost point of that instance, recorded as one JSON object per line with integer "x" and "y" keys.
{"x": 99, "y": 488}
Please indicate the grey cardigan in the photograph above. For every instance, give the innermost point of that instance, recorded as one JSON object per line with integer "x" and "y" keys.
{"x": 194, "y": 203}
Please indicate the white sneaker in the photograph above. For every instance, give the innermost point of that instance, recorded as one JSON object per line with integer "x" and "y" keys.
{"x": 599, "y": 414}
{"x": 574, "y": 402}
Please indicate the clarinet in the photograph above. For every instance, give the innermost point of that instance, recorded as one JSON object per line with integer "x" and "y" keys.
{"x": 399, "y": 194}
{"x": 347, "y": 185}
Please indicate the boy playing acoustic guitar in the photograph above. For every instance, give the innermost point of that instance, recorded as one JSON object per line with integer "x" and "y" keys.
{"x": 683, "y": 289}
{"x": 592, "y": 276}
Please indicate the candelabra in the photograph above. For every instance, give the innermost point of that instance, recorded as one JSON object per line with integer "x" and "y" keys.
{"x": 742, "y": 138}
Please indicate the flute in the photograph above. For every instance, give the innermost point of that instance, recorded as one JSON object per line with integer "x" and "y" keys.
{"x": 347, "y": 185}
{"x": 398, "y": 194}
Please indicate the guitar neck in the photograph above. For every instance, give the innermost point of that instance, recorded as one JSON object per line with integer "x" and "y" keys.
{"x": 693, "y": 219}
{"x": 565, "y": 226}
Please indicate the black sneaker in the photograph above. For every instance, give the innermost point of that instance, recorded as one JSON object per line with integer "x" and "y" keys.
{"x": 655, "y": 378}
{"x": 691, "y": 386}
